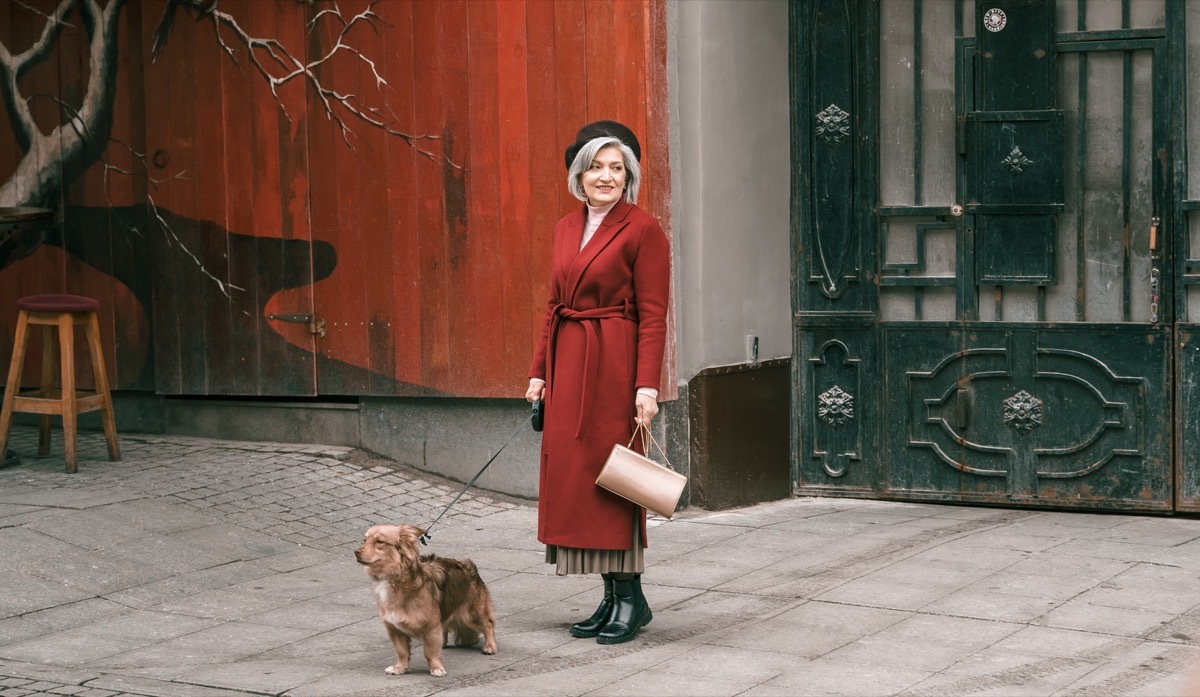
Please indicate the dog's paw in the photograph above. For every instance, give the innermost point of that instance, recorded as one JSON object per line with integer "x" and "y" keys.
{"x": 437, "y": 671}
{"x": 396, "y": 669}
{"x": 489, "y": 649}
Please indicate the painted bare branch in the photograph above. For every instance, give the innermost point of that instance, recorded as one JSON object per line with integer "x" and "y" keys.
{"x": 278, "y": 66}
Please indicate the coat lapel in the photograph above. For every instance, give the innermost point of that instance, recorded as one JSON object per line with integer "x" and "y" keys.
{"x": 567, "y": 249}
{"x": 609, "y": 227}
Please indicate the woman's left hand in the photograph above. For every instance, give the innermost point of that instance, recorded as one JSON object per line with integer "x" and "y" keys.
{"x": 646, "y": 408}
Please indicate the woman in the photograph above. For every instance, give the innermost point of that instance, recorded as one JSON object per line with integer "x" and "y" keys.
{"x": 597, "y": 367}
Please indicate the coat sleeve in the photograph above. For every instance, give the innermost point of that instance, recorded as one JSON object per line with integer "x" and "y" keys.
{"x": 537, "y": 368}
{"x": 652, "y": 289}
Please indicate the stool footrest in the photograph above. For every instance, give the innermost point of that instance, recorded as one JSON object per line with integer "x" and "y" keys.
{"x": 50, "y": 402}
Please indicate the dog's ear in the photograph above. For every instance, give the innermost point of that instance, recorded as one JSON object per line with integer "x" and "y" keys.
{"x": 405, "y": 541}
{"x": 409, "y": 532}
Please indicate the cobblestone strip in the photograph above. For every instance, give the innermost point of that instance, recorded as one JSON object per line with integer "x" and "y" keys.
{"x": 314, "y": 495}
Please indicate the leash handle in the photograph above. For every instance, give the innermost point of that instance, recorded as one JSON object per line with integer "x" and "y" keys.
{"x": 426, "y": 537}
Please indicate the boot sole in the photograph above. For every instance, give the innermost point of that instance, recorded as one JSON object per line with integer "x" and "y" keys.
{"x": 593, "y": 634}
{"x": 627, "y": 637}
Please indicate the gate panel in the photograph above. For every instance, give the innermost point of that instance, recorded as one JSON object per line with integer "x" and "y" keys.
{"x": 834, "y": 183}
{"x": 1038, "y": 417}
{"x": 840, "y": 401}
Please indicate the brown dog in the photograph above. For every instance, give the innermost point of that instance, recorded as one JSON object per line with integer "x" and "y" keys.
{"x": 426, "y": 597}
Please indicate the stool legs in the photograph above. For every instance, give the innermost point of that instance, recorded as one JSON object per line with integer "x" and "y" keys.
{"x": 66, "y": 342}
{"x": 101, "y": 377}
{"x": 14, "y": 379}
{"x": 49, "y": 360}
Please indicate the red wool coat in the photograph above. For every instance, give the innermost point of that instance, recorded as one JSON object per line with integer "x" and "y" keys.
{"x": 603, "y": 337}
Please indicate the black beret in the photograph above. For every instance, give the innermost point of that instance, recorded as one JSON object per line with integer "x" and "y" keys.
{"x": 601, "y": 129}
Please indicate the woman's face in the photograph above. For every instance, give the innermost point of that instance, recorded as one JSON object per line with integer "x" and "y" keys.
{"x": 604, "y": 180}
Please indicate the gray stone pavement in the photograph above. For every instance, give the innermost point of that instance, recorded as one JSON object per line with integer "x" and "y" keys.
{"x": 196, "y": 568}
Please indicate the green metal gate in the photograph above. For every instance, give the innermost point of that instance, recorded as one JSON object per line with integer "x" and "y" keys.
{"x": 992, "y": 261}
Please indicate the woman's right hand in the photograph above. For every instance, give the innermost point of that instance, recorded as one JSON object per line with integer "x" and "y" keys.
{"x": 536, "y": 389}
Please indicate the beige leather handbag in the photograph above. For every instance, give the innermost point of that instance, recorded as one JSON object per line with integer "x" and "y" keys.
{"x": 641, "y": 480}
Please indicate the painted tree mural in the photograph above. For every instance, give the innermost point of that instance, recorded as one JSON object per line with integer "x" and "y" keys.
{"x": 300, "y": 197}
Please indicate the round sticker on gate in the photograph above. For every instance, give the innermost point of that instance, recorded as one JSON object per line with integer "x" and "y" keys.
{"x": 994, "y": 19}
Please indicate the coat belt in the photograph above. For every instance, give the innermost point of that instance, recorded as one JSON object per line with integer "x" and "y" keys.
{"x": 590, "y": 319}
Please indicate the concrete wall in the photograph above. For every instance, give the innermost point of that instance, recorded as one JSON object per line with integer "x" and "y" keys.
{"x": 455, "y": 437}
{"x": 728, "y": 72}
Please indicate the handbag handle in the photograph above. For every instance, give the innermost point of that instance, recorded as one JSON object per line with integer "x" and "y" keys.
{"x": 647, "y": 439}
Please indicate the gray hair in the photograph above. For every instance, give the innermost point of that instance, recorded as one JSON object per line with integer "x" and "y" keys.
{"x": 583, "y": 160}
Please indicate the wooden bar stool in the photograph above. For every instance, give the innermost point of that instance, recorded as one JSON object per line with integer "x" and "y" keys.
{"x": 62, "y": 312}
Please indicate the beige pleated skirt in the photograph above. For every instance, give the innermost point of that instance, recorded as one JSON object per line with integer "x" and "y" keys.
{"x": 579, "y": 560}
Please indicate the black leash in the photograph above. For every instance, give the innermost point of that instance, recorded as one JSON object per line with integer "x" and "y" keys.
{"x": 426, "y": 537}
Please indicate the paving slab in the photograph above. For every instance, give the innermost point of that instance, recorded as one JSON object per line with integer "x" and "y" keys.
{"x": 987, "y": 604}
{"x": 813, "y": 629}
{"x": 935, "y": 642}
{"x": 823, "y": 676}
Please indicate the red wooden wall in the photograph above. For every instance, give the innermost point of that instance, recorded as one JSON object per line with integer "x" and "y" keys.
{"x": 427, "y": 261}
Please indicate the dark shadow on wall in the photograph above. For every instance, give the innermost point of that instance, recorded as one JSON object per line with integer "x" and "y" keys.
{"x": 205, "y": 291}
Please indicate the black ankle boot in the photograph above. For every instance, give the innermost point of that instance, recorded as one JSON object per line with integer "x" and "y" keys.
{"x": 630, "y": 611}
{"x": 592, "y": 625}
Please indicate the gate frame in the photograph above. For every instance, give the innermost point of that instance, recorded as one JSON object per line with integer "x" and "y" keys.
{"x": 817, "y": 324}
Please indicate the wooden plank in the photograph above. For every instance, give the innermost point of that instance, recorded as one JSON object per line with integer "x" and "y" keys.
{"x": 629, "y": 93}
{"x": 185, "y": 202}
{"x": 374, "y": 351}
{"x": 9, "y": 153}
{"x": 547, "y": 180}
{"x": 126, "y": 341}
{"x": 213, "y": 332}
{"x": 268, "y": 216}
{"x": 283, "y": 212}
{"x": 165, "y": 194}
{"x": 439, "y": 76}
{"x": 245, "y": 308}
{"x": 602, "y": 62}
{"x": 570, "y": 49}
{"x": 476, "y": 329}
{"x": 295, "y": 166}
{"x": 339, "y": 207}
{"x": 405, "y": 168}
{"x": 515, "y": 234}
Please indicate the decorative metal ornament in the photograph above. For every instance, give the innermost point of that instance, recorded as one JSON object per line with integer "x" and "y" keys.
{"x": 835, "y": 406}
{"x": 994, "y": 19}
{"x": 1016, "y": 161}
{"x": 1023, "y": 412}
{"x": 833, "y": 125}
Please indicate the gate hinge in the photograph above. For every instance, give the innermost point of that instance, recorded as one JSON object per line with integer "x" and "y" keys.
{"x": 316, "y": 326}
